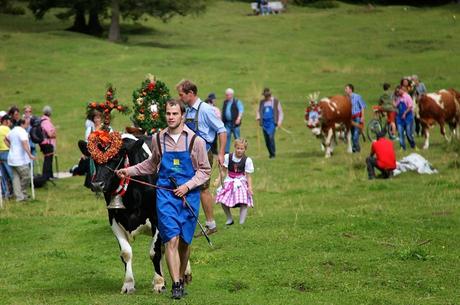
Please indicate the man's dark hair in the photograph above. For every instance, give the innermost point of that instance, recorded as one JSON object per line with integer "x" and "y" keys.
{"x": 187, "y": 86}
{"x": 381, "y": 133}
{"x": 386, "y": 86}
{"x": 351, "y": 87}
{"x": 174, "y": 102}
{"x": 12, "y": 110}
{"x": 21, "y": 122}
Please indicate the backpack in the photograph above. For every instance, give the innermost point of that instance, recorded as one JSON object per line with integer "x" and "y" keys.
{"x": 37, "y": 135}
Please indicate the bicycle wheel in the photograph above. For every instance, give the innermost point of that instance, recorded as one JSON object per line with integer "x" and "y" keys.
{"x": 373, "y": 128}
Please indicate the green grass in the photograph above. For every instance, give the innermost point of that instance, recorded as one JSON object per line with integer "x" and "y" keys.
{"x": 320, "y": 232}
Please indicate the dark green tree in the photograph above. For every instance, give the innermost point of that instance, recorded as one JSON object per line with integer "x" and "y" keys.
{"x": 87, "y": 13}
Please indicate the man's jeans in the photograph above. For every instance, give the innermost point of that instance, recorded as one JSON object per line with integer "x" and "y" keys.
{"x": 355, "y": 133}
{"x": 270, "y": 142}
{"x": 407, "y": 129}
{"x": 7, "y": 172}
{"x": 231, "y": 128}
{"x": 371, "y": 163}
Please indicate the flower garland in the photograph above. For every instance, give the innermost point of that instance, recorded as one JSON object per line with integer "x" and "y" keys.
{"x": 103, "y": 145}
{"x": 149, "y": 105}
{"x": 111, "y": 103}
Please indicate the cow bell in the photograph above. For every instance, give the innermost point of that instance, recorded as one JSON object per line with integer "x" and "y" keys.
{"x": 116, "y": 203}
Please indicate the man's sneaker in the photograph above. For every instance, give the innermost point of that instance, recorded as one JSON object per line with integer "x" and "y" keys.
{"x": 176, "y": 291}
{"x": 207, "y": 230}
{"x": 182, "y": 287}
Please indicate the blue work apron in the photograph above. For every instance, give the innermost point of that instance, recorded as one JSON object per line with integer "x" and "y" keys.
{"x": 409, "y": 116}
{"x": 174, "y": 218}
{"x": 268, "y": 119}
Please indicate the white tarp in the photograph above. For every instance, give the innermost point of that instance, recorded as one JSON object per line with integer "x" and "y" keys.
{"x": 414, "y": 162}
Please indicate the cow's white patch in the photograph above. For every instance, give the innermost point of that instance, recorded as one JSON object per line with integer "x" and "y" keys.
{"x": 327, "y": 143}
{"x": 144, "y": 146}
{"x": 437, "y": 98}
{"x": 427, "y": 139}
{"x": 158, "y": 282}
{"x": 443, "y": 91}
{"x": 316, "y": 131}
{"x": 126, "y": 254}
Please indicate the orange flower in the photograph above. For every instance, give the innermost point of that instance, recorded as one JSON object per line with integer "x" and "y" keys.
{"x": 120, "y": 108}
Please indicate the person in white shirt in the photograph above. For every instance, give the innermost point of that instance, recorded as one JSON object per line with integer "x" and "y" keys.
{"x": 19, "y": 158}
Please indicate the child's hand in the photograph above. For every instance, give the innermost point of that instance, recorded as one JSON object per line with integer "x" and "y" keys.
{"x": 216, "y": 182}
{"x": 250, "y": 191}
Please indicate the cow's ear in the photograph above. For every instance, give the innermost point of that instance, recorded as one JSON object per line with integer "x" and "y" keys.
{"x": 135, "y": 146}
{"x": 83, "y": 145}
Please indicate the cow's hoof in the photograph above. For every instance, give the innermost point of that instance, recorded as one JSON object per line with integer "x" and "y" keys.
{"x": 188, "y": 278}
{"x": 159, "y": 288}
{"x": 128, "y": 288}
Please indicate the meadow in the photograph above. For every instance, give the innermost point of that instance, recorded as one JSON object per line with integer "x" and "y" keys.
{"x": 320, "y": 232}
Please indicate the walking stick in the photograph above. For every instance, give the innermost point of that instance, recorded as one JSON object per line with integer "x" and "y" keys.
{"x": 57, "y": 165}
{"x": 32, "y": 186}
{"x": 174, "y": 182}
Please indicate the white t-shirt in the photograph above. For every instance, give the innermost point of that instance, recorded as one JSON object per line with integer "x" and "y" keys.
{"x": 175, "y": 137}
{"x": 17, "y": 155}
{"x": 249, "y": 166}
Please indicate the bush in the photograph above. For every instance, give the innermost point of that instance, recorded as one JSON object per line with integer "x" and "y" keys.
{"x": 318, "y": 3}
{"x": 7, "y": 8}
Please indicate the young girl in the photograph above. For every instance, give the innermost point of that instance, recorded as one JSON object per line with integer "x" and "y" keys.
{"x": 236, "y": 189}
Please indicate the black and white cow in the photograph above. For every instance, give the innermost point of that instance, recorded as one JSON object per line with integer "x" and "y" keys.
{"x": 140, "y": 215}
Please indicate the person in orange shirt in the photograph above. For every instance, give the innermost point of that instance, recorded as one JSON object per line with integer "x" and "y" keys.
{"x": 382, "y": 157}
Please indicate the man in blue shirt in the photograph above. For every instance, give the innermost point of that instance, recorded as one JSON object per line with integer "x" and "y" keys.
{"x": 232, "y": 112}
{"x": 202, "y": 119}
{"x": 357, "y": 115}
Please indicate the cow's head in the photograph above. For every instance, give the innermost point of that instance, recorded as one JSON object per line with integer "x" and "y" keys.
{"x": 104, "y": 179}
{"x": 313, "y": 114}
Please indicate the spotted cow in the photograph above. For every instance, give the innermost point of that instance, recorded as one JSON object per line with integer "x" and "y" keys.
{"x": 440, "y": 107}
{"x": 328, "y": 115}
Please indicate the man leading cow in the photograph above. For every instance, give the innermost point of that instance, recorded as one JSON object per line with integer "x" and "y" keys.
{"x": 179, "y": 153}
{"x": 357, "y": 115}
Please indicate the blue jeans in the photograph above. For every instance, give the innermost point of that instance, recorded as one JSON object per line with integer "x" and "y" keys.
{"x": 231, "y": 128}
{"x": 7, "y": 172}
{"x": 407, "y": 129}
{"x": 355, "y": 133}
{"x": 270, "y": 142}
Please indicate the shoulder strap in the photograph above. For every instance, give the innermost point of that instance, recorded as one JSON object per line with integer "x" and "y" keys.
{"x": 159, "y": 144}
{"x": 192, "y": 141}
{"x": 196, "y": 115}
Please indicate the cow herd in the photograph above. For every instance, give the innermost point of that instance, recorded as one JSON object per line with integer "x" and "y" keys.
{"x": 328, "y": 116}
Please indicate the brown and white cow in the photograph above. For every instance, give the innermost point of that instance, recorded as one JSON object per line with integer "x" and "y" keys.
{"x": 327, "y": 116}
{"x": 441, "y": 107}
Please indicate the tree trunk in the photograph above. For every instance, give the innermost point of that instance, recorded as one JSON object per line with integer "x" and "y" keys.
{"x": 79, "y": 23}
{"x": 94, "y": 26}
{"x": 114, "y": 32}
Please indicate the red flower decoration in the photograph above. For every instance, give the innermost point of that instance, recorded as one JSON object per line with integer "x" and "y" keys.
{"x": 151, "y": 86}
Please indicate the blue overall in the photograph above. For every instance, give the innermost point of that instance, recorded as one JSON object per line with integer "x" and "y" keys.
{"x": 174, "y": 218}
{"x": 405, "y": 126}
{"x": 192, "y": 123}
{"x": 269, "y": 128}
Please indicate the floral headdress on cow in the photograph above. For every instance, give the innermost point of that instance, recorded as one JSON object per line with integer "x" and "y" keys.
{"x": 103, "y": 145}
{"x": 149, "y": 105}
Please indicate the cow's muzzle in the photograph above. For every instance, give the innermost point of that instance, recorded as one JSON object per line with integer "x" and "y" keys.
{"x": 97, "y": 186}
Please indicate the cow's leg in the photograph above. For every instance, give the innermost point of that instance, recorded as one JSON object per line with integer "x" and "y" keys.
{"x": 158, "y": 282}
{"x": 426, "y": 133}
{"x": 126, "y": 254}
{"x": 327, "y": 142}
{"x": 443, "y": 131}
{"x": 349, "y": 149}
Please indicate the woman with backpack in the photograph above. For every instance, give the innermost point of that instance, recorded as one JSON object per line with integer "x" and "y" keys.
{"x": 48, "y": 145}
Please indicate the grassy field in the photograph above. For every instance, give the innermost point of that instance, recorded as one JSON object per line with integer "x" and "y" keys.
{"x": 320, "y": 232}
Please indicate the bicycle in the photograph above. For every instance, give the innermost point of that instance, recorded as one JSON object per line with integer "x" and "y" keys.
{"x": 377, "y": 124}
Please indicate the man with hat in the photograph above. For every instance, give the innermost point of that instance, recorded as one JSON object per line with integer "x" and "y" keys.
{"x": 232, "y": 111}
{"x": 211, "y": 100}
{"x": 270, "y": 117}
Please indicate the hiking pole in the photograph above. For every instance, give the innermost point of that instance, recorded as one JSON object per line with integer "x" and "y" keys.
{"x": 174, "y": 182}
{"x": 57, "y": 165}
{"x": 32, "y": 186}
